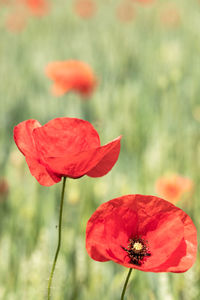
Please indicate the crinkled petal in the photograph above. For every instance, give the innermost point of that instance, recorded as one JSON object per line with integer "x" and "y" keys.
{"x": 23, "y": 136}
{"x": 109, "y": 228}
{"x": 43, "y": 176}
{"x": 78, "y": 164}
{"x": 105, "y": 164}
{"x": 62, "y": 136}
{"x": 185, "y": 254}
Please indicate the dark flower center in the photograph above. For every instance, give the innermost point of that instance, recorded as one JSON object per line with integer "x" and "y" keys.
{"x": 137, "y": 251}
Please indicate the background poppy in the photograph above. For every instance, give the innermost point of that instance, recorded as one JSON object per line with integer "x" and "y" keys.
{"x": 173, "y": 187}
{"x": 85, "y": 8}
{"x": 71, "y": 75}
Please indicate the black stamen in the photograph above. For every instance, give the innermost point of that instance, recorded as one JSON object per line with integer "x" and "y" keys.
{"x": 137, "y": 250}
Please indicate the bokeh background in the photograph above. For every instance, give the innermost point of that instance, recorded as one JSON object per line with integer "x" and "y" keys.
{"x": 146, "y": 56}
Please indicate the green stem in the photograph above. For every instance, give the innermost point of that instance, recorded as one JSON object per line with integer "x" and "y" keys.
{"x": 59, "y": 238}
{"x": 126, "y": 283}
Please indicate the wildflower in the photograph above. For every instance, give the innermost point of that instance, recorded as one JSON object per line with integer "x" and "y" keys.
{"x": 66, "y": 147}
{"x": 125, "y": 11}
{"x": 144, "y": 1}
{"x": 170, "y": 16}
{"x": 142, "y": 232}
{"x": 71, "y": 75}
{"x": 173, "y": 187}
{"x": 16, "y": 21}
{"x": 85, "y": 8}
{"x": 36, "y": 7}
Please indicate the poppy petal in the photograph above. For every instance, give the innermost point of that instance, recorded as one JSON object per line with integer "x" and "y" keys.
{"x": 43, "y": 176}
{"x": 62, "y": 136}
{"x": 109, "y": 228}
{"x": 23, "y": 136}
{"x": 187, "y": 250}
{"x": 106, "y": 163}
{"x": 59, "y": 90}
{"x": 167, "y": 228}
{"x": 78, "y": 164}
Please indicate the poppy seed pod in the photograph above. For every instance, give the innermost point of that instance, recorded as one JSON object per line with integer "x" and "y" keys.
{"x": 142, "y": 232}
{"x": 66, "y": 147}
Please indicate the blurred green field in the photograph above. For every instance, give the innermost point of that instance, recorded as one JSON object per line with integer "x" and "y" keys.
{"x": 148, "y": 91}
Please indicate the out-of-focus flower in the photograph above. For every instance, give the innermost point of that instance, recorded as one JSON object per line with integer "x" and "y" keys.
{"x": 144, "y": 1}
{"x": 21, "y": 10}
{"x": 71, "y": 75}
{"x": 16, "y": 21}
{"x": 125, "y": 11}
{"x": 85, "y": 8}
{"x": 173, "y": 187}
{"x": 66, "y": 147}
{"x": 170, "y": 16}
{"x": 4, "y": 187}
{"x": 36, "y": 7}
{"x": 142, "y": 232}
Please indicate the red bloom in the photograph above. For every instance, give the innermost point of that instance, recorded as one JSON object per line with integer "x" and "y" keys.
{"x": 64, "y": 147}
{"x": 170, "y": 16}
{"x": 71, "y": 75}
{"x": 125, "y": 11}
{"x": 36, "y": 7}
{"x": 142, "y": 232}
{"x": 85, "y": 8}
{"x": 16, "y": 21}
{"x": 173, "y": 187}
{"x": 145, "y": 1}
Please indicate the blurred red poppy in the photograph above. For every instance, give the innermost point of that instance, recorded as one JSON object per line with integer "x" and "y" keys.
{"x": 142, "y": 232}
{"x": 145, "y": 1}
{"x": 71, "y": 75}
{"x": 170, "y": 16}
{"x": 36, "y": 7}
{"x": 125, "y": 11}
{"x": 67, "y": 147}
{"x": 16, "y": 21}
{"x": 85, "y": 8}
{"x": 173, "y": 187}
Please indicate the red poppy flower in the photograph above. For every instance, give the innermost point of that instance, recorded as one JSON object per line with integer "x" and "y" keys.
{"x": 142, "y": 232}
{"x": 16, "y": 21}
{"x": 170, "y": 16}
{"x": 36, "y": 7}
{"x": 125, "y": 11}
{"x": 71, "y": 75}
{"x": 85, "y": 8}
{"x": 67, "y": 147}
{"x": 145, "y": 1}
{"x": 173, "y": 187}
